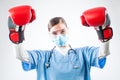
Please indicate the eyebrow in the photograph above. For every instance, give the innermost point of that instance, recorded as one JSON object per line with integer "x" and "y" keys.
{"x": 58, "y": 30}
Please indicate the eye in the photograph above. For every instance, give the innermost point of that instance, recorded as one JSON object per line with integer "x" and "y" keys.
{"x": 62, "y": 31}
{"x": 54, "y": 33}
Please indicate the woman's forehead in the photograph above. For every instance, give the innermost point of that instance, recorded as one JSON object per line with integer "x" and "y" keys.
{"x": 58, "y": 27}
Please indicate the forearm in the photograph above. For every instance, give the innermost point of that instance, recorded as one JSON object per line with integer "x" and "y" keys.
{"x": 104, "y": 49}
{"x": 21, "y": 54}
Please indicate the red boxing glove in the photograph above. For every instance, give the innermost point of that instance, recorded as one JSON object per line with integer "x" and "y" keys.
{"x": 18, "y": 18}
{"x": 21, "y": 15}
{"x": 99, "y": 19}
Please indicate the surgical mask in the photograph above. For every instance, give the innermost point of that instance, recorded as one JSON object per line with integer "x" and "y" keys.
{"x": 60, "y": 40}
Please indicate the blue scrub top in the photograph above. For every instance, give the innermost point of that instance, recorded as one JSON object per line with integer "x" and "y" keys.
{"x": 69, "y": 67}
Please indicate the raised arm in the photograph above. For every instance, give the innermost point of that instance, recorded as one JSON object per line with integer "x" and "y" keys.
{"x": 99, "y": 19}
{"x": 19, "y": 16}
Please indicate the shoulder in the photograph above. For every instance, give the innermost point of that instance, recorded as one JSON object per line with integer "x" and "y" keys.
{"x": 86, "y": 49}
{"x": 39, "y": 52}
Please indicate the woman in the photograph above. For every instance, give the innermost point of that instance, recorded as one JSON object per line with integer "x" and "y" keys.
{"x": 62, "y": 62}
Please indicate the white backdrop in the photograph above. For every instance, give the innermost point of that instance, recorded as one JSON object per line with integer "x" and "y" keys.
{"x": 36, "y": 35}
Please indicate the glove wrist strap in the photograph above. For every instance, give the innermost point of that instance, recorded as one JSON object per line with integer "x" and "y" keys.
{"x": 105, "y": 35}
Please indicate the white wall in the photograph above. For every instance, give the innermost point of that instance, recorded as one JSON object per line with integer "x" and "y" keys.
{"x": 37, "y": 37}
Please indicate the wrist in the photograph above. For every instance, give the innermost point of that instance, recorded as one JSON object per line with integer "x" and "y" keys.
{"x": 104, "y": 49}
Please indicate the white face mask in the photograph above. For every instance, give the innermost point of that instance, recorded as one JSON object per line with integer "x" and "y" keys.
{"x": 60, "y": 40}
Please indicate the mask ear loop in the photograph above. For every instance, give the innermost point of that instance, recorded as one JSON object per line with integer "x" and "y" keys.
{"x": 47, "y": 64}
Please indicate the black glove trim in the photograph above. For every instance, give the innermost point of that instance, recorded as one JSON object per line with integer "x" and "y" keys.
{"x": 12, "y": 29}
{"x": 101, "y": 35}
